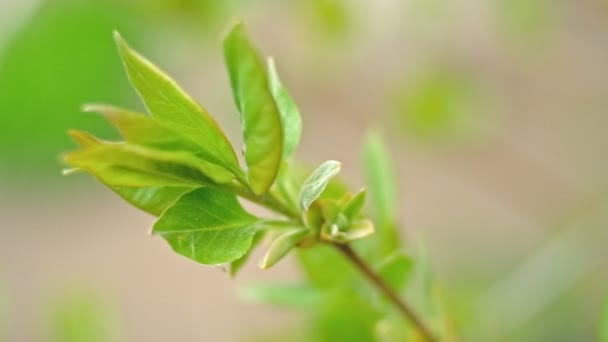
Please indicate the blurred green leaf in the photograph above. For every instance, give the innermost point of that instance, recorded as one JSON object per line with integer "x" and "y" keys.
{"x": 143, "y": 130}
{"x": 380, "y": 179}
{"x": 326, "y": 268}
{"x": 395, "y": 270}
{"x": 260, "y": 118}
{"x": 80, "y": 317}
{"x": 441, "y": 105}
{"x": 171, "y": 106}
{"x": 58, "y": 59}
{"x": 603, "y": 322}
{"x": 282, "y": 244}
{"x": 125, "y": 165}
{"x": 290, "y": 116}
{"x": 207, "y": 226}
{"x": 284, "y": 295}
{"x": 331, "y": 18}
{"x": 153, "y": 200}
{"x": 344, "y": 316}
{"x": 526, "y": 20}
{"x": 315, "y": 184}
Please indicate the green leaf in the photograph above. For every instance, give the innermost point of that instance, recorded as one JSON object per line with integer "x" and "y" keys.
{"x": 284, "y": 295}
{"x": 153, "y": 200}
{"x": 316, "y": 182}
{"x": 235, "y": 266}
{"x": 260, "y": 118}
{"x": 282, "y": 244}
{"x": 207, "y": 226}
{"x": 290, "y": 116}
{"x": 354, "y": 205}
{"x": 380, "y": 179}
{"x": 603, "y": 325}
{"x": 125, "y": 165}
{"x": 170, "y": 105}
{"x": 143, "y": 130}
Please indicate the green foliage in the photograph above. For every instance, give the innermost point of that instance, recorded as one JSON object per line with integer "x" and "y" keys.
{"x": 178, "y": 165}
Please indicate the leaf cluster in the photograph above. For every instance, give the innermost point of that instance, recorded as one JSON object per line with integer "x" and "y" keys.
{"x": 176, "y": 163}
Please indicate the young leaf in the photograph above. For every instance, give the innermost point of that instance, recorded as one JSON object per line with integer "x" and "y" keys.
{"x": 282, "y": 245}
{"x": 125, "y": 165}
{"x": 153, "y": 200}
{"x": 143, "y": 130}
{"x": 381, "y": 187}
{"x": 290, "y": 116}
{"x": 356, "y": 230}
{"x": 208, "y": 226}
{"x": 170, "y": 105}
{"x": 260, "y": 118}
{"x": 354, "y": 205}
{"x": 316, "y": 182}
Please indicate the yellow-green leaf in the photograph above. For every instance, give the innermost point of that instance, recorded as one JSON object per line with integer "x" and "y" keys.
{"x": 125, "y": 165}
{"x": 153, "y": 200}
{"x": 208, "y": 226}
{"x": 281, "y": 245}
{"x": 260, "y": 118}
{"x": 143, "y": 130}
{"x": 173, "y": 107}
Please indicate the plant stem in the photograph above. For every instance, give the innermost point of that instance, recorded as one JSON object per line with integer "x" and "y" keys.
{"x": 403, "y": 307}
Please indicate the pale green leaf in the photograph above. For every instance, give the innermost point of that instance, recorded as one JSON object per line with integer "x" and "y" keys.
{"x": 282, "y": 244}
{"x": 143, "y": 130}
{"x": 260, "y": 118}
{"x": 153, "y": 200}
{"x": 208, "y": 226}
{"x": 316, "y": 182}
{"x": 290, "y": 115}
{"x": 125, "y": 165}
{"x": 169, "y": 104}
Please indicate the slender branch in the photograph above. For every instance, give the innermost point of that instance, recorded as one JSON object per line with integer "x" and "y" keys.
{"x": 403, "y": 307}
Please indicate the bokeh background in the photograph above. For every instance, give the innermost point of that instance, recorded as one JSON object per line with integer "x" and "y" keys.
{"x": 494, "y": 112}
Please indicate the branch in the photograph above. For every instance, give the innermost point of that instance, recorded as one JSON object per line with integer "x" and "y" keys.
{"x": 403, "y": 307}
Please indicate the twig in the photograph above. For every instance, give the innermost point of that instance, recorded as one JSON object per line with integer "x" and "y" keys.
{"x": 403, "y": 307}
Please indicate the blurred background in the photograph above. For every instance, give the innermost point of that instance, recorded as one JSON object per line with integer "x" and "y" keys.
{"x": 494, "y": 112}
